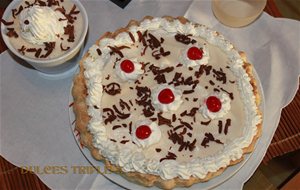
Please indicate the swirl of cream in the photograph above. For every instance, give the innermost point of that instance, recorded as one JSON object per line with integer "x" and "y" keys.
{"x": 168, "y": 169}
{"x": 41, "y": 24}
{"x": 129, "y": 76}
{"x": 225, "y": 107}
{"x": 95, "y": 52}
{"x": 183, "y": 171}
{"x": 96, "y": 127}
{"x": 166, "y": 107}
{"x": 151, "y": 24}
{"x": 152, "y": 166}
{"x": 125, "y": 156}
{"x": 110, "y": 151}
{"x": 138, "y": 162}
{"x": 184, "y": 59}
{"x": 122, "y": 38}
{"x": 152, "y": 139}
{"x": 197, "y": 169}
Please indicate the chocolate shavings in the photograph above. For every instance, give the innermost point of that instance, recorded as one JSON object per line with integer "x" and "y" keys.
{"x": 120, "y": 114}
{"x": 49, "y": 47}
{"x": 112, "y": 88}
{"x": 186, "y": 124}
{"x": 149, "y": 40}
{"x": 116, "y": 127}
{"x": 179, "y": 138}
{"x": 117, "y": 50}
{"x": 42, "y": 3}
{"x": 99, "y": 52}
{"x": 64, "y": 49}
{"x": 179, "y": 65}
{"x": 69, "y": 31}
{"x": 188, "y": 91}
{"x": 220, "y": 75}
{"x": 230, "y": 94}
{"x": 12, "y": 33}
{"x": 124, "y": 105}
{"x": 108, "y": 115}
{"x": 185, "y": 39}
{"x": 178, "y": 79}
{"x": 131, "y": 37}
{"x": 144, "y": 99}
{"x": 205, "y": 122}
{"x": 162, "y": 120}
{"x": 158, "y": 149}
{"x": 69, "y": 16}
{"x": 169, "y": 156}
{"x": 6, "y": 23}
{"x": 130, "y": 127}
{"x": 220, "y": 125}
{"x": 209, "y": 137}
{"x": 192, "y": 112}
{"x": 202, "y": 69}
{"x": 227, "y": 125}
{"x": 37, "y": 51}
{"x": 22, "y": 50}
{"x": 52, "y": 3}
{"x": 159, "y": 73}
{"x": 124, "y": 141}
{"x": 16, "y": 12}
{"x": 174, "y": 118}
{"x": 161, "y": 52}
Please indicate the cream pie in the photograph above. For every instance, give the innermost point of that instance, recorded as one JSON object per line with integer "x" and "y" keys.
{"x": 166, "y": 102}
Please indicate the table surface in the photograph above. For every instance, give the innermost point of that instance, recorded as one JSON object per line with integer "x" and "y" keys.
{"x": 286, "y": 138}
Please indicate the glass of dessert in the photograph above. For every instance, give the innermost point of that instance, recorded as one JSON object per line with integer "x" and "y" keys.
{"x": 237, "y": 13}
{"x": 48, "y": 34}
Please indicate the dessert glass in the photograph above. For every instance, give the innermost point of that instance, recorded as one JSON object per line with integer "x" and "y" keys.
{"x": 237, "y": 13}
{"x": 62, "y": 63}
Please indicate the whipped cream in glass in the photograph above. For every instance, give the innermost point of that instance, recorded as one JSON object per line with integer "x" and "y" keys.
{"x": 43, "y": 30}
{"x": 41, "y": 24}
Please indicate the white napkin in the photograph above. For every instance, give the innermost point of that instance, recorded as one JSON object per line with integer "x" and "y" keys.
{"x": 35, "y": 128}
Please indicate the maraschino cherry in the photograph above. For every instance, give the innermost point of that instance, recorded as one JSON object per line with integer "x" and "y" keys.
{"x": 213, "y": 104}
{"x": 143, "y": 132}
{"x": 195, "y": 53}
{"x": 166, "y": 96}
{"x": 127, "y": 66}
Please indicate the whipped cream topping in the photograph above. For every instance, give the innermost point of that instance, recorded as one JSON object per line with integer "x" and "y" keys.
{"x": 173, "y": 106}
{"x": 225, "y": 102}
{"x": 184, "y": 59}
{"x": 132, "y": 75}
{"x": 41, "y": 24}
{"x": 154, "y": 137}
{"x": 132, "y": 158}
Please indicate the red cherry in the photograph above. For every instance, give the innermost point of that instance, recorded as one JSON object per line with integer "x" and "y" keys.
{"x": 195, "y": 53}
{"x": 143, "y": 132}
{"x": 127, "y": 66}
{"x": 213, "y": 104}
{"x": 166, "y": 96}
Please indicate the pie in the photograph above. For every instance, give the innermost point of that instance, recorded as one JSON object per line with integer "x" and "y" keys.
{"x": 166, "y": 102}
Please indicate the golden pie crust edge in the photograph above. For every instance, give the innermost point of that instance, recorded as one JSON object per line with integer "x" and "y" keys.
{"x": 79, "y": 92}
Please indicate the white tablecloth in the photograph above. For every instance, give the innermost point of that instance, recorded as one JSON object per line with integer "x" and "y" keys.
{"x": 35, "y": 127}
